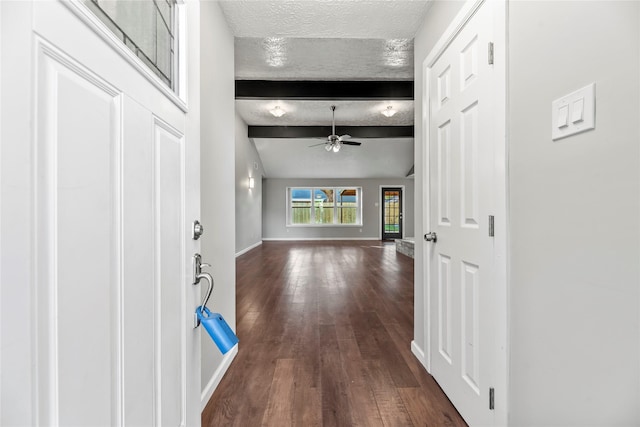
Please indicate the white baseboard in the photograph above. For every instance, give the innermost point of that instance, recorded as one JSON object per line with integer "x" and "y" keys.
{"x": 419, "y": 354}
{"x": 302, "y": 239}
{"x": 207, "y": 392}
{"x": 245, "y": 250}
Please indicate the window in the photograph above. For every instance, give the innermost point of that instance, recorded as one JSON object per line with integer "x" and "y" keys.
{"x": 347, "y": 206}
{"x": 324, "y": 206}
{"x": 147, "y": 28}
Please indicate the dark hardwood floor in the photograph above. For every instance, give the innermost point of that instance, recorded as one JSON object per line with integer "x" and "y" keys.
{"x": 325, "y": 330}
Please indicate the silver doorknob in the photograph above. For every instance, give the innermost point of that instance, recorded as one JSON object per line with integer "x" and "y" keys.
{"x": 431, "y": 237}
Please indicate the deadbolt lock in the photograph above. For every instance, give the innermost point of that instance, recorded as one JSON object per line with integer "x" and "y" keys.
{"x": 196, "y": 230}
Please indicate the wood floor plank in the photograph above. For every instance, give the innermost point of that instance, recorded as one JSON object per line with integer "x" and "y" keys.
{"x": 394, "y": 362}
{"x": 325, "y": 331}
{"x": 352, "y": 362}
{"x": 279, "y": 407}
{"x": 421, "y": 409}
{"x": 335, "y": 408}
{"x": 390, "y": 404}
{"x": 364, "y": 410}
{"x": 307, "y": 406}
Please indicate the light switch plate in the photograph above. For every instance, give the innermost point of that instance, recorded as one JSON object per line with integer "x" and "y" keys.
{"x": 567, "y": 108}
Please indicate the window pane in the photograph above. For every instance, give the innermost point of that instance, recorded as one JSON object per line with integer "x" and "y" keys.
{"x": 301, "y": 193}
{"x": 145, "y": 27}
{"x": 300, "y": 206}
{"x": 348, "y": 195}
{"x": 347, "y": 206}
{"x": 347, "y": 216}
{"x": 325, "y": 194}
{"x": 164, "y": 47}
{"x": 323, "y": 203}
{"x": 301, "y": 212}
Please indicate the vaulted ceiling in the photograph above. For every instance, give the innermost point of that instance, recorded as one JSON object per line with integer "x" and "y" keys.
{"x": 304, "y": 56}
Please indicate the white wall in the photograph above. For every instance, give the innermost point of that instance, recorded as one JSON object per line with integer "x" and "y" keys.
{"x": 574, "y": 210}
{"x": 248, "y": 201}
{"x": 275, "y": 206}
{"x": 438, "y": 19}
{"x": 217, "y": 174}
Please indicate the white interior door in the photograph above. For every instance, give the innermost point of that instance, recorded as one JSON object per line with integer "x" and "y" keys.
{"x": 461, "y": 182}
{"x": 97, "y": 302}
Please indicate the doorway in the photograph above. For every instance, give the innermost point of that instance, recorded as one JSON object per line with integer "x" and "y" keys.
{"x": 391, "y": 213}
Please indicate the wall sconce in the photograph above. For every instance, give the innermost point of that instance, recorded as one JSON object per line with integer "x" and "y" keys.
{"x": 252, "y": 182}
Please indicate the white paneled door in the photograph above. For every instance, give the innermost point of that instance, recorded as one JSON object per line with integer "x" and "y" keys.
{"x": 97, "y": 198}
{"x": 460, "y": 252}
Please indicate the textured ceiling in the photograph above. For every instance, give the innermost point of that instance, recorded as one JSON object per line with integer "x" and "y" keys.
{"x": 327, "y": 40}
{"x": 386, "y": 19}
{"x": 317, "y": 59}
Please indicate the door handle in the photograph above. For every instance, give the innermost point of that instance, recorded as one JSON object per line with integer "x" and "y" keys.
{"x": 431, "y": 237}
{"x": 198, "y": 275}
{"x": 197, "y": 268}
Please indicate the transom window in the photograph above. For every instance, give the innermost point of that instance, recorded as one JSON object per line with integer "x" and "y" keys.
{"x": 147, "y": 28}
{"x": 324, "y": 206}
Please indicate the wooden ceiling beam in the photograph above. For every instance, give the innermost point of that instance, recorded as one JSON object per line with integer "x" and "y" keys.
{"x": 324, "y": 131}
{"x": 324, "y": 90}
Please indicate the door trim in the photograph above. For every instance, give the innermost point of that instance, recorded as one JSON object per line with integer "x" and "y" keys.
{"x": 500, "y": 190}
{"x": 401, "y": 186}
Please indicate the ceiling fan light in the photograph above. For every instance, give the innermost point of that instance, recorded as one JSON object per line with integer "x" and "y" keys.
{"x": 277, "y": 111}
{"x": 336, "y": 148}
{"x": 389, "y": 112}
{"x": 328, "y": 147}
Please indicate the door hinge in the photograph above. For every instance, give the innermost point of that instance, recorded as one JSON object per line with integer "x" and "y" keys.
{"x": 492, "y": 399}
{"x": 490, "y": 53}
{"x": 491, "y": 226}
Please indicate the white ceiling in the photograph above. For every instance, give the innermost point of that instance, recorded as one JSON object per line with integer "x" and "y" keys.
{"x": 327, "y": 40}
{"x": 277, "y": 58}
{"x": 341, "y": 19}
{"x": 294, "y": 158}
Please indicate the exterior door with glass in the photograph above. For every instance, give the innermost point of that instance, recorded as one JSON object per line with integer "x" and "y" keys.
{"x": 391, "y": 213}
{"x": 99, "y": 180}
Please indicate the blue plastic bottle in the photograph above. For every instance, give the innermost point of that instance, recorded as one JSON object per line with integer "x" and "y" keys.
{"x": 218, "y": 329}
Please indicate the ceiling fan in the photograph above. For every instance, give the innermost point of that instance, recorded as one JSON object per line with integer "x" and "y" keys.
{"x": 334, "y": 142}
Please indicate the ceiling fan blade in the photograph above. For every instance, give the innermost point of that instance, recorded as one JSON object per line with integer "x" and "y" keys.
{"x": 315, "y": 145}
{"x": 351, "y": 143}
{"x": 343, "y": 137}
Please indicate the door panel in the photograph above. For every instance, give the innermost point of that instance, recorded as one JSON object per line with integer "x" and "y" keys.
{"x": 78, "y": 281}
{"x": 169, "y": 191}
{"x": 444, "y": 174}
{"x": 461, "y": 260}
{"x": 139, "y": 233}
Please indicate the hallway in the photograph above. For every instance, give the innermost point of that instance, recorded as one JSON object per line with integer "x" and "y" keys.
{"x": 325, "y": 331}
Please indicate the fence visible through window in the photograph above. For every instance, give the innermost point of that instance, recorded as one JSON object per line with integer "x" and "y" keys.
{"x": 324, "y": 206}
